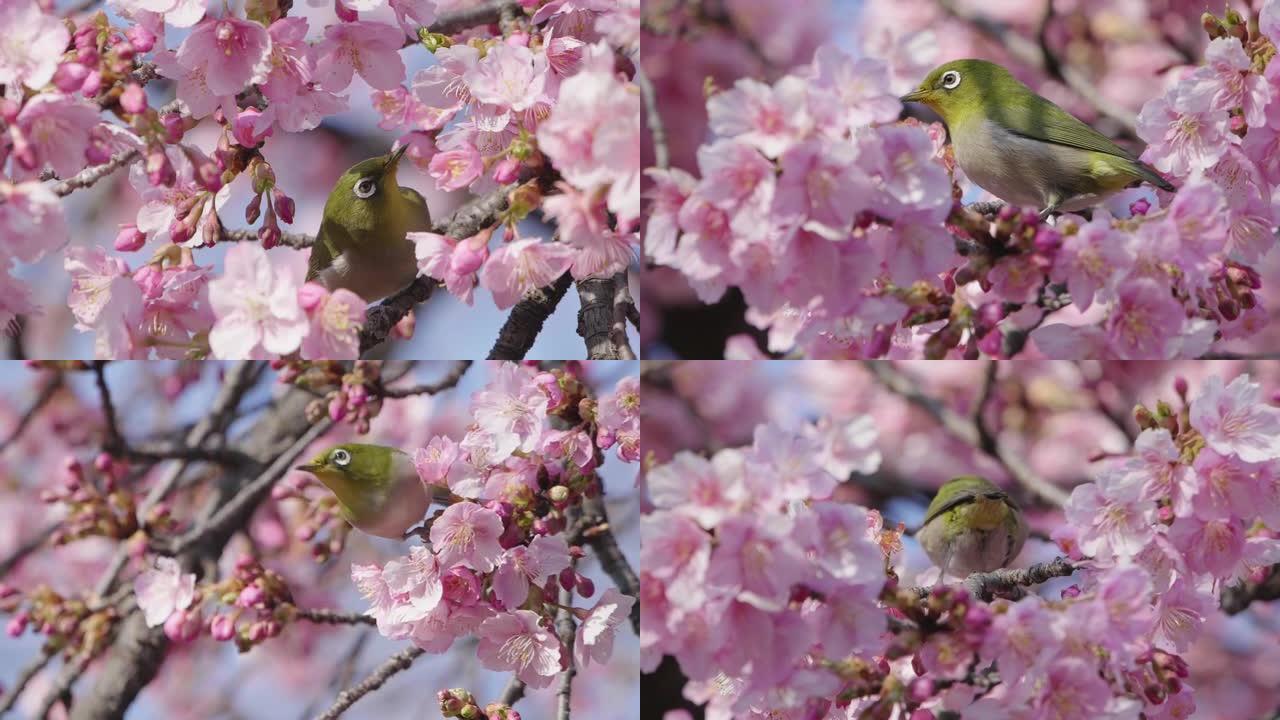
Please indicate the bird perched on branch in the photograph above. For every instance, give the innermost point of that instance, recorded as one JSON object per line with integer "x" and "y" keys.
{"x": 972, "y": 526}
{"x": 1021, "y": 147}
{"x": 361, "y": 245}
{"x": 378, "y": 487}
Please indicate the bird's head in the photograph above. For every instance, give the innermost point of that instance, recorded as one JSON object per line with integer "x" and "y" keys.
{"x": 367, "y": 193}
{"x": 351, "y": 467}
{"x": 961, "y": 88}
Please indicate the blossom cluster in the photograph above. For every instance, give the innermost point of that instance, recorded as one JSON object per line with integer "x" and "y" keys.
{"x": 747, "y": 548}
{"x": 498, "y": 557}
{"x": 842, "y": 229}
{"x": 543, "y": 92}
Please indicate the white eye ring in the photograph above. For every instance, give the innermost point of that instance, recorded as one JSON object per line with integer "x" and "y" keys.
{"x": 950, "y": 79}
{"x": 365, "y": 188}
{"x": 341, "y": 457}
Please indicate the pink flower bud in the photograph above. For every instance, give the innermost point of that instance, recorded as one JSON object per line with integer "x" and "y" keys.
{"x": 174, "y": 127}
{"x": 404, "y": 329}
{"x": 179, "y": 232}
{"x": 222, "y": 628}
{"x": 311, "y": 295}
{"x": 142, "y": 39}
{"x": 338, "y": 407}
{"x": 92, "y": 84}
{"x": 468, "y": 257}
{"x": 1139, "y": 206}
{"x": 567, "y": 578}
{"x": 133, "y": 99}
{"x": 250, "y": 596}
{"x": 269, "y": 236}
{"x": 518, "y": 39}
{"x": 18, "y": 624}
{"x": 1180, "y": 385}
{"x": 159, "y": 169}
{"x": 253, "y": 210}
{"x": 70, "y": 76}
{"x": 284, "y": 205}
{"x": 506, "y": 171}
{"x": 184, "y": 625}
{"x": 586, "y": 588}
{"x": 130, "y": 238}
{"x": 243, "y": 128}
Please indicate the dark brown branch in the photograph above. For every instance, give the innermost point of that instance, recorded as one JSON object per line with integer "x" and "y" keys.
{"x": 597, "y": 533}
{"x": 963, "y": 429}
{"x": 114, "y": 442}
{"x": 524, "y": 323}
{"x": 396, "y": 663}
{"x": 624, "y": 307}
{"x": 596, "y": 320}
{"x": 486, "y": 14}
{"x": 447, "y": 382}
{"x": 293, "y": 240}
{"x": 513, "y": 692}
{"x": 1237, "y": 598}
{"x": 985, "y": 585}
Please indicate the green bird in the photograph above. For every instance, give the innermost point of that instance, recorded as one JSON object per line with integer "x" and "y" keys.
{"x": 361, "y": 245}
{"x": 1021, "y": 147}
{"x": 972, "y": 526}
{"x": 378, "y": 488}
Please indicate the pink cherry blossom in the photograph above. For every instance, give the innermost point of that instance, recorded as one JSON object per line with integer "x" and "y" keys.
{"x": 594, "y": 638}
{"x": 1212, "y": 545}
{"x": 522, "y": 566}
{"x": 1090, "y": 262}
{"x": 54, "y": 130}
{"x": 1184, "y": 134}
{"x": 457, "y": 168}
{"x": 178, "y": 13}
{"x": 415, "y": 581}
{"x": 518, "y": 642}
{"x": 193, "y": 86}
{"x": 467, "y": 534}
{"x": 434, "y": 461}
{"x": 162, "y": 589}
{"x": 31, "y": 221}
{"x": 256, "y": 303}
{"x": 510, "y": 411}
{"x": 228, "y": 52}
{"x": 522, "y": 266}
{"x": 31, "y": 44}
{"x": 336, "y": 318}
{"x": 1235, "y": 421}
{"x": 1118, "y": 521}
{"x": 1145, "y": 321}
{"x": 104, "y": 299}
{"x": 847, "y": 93}
{"x": 510, "y": 77}
{"x": 371, "y": 49}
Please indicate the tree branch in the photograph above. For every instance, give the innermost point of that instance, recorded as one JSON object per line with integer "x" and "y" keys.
{"x": 658, "y": 131}
{"x": 984, "y": 586}
{"x": 1237, "y": 598}
{"x": 293, "y": 240}
{"x": 91, "y": 175}
{"x": 565, "y": 631}
{"x": 448, "y": 381}
{"x": 963, "y": 429}
{"x": 47, "y": 392}
{"x": 599, "y": 535}
{"x": 596, "y": 320}
{"x": 332, "y": 617}
{"x": 524, "y": 323}
{"x": 396, "y": 663}
{"x": 486, "y": 14}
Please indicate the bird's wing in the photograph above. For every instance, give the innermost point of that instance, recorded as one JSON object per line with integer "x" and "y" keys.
{"x": 961, "y": 498}
{"x": 323, "y": 250}
{"x": 420, "y": 216}
{"x": 1050, "y": 123}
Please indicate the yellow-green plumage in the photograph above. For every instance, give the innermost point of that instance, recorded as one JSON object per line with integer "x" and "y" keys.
{"x": 972, "y": 526}
{"x": 361, "y": 245}
{"x": 1021, "y": 147}
{"x": 377, "y": 487}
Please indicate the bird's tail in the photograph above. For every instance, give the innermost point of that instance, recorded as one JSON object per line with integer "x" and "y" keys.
{"x": 1152, "y": 176}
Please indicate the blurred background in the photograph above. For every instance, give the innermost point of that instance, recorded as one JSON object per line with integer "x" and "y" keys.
{"x": 1058, "y": 416}
{"x": 306, "y": 165}
{"x": 1099, "y": 59}
{"x": 297, "y": 674}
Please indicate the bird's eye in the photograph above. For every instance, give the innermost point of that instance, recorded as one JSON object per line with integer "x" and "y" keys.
{"x": 365, "y": 188}
{"x": 341, "y": 457}
{"x": 950, "y": 79}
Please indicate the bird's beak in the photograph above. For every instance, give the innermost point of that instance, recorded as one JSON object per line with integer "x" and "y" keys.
{"x": 394, "y": 160}
{"x": 309, "y": 467}
{"x": 913, "y": 96}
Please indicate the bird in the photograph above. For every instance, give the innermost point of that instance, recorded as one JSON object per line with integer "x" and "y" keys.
{"x": 361, "y": 245}
{"x": 972, "y": 526}
{"x": 378, "y": 488}
{"x": 1021, "y": 147}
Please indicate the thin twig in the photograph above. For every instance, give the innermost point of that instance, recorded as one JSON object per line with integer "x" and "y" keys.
{"x": 447, "y": 382}
{"x": 396, "y": 663}
{"x": 61, "y": 688}
{"x": 657, "y": 130}
{"x": 963, "y": 429}
{"x": 25, "y": 677}
{"x": 293, "y": 240}
{"x": 90, "y": 175}
{"x": 114, "y": 441}
{"x": 332, "y": 617}
{"x": 513, "y": 692}
{"x": 26, "y": 548}
{"x": 565, "y": 631}
{"x": 47, "y": 392}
